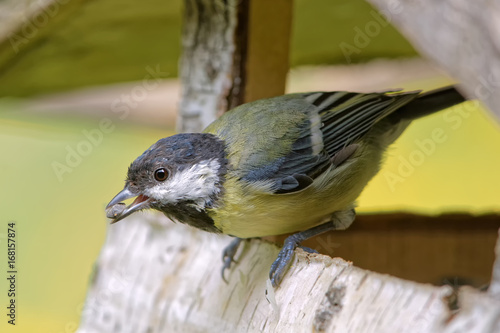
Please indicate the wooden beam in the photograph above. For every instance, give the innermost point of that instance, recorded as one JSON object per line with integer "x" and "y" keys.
{"x": 269, "y": 31}
{"x": 447, "y": 249}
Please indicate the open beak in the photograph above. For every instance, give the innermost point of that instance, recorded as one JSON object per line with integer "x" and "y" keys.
{"x": 117, "y": 210}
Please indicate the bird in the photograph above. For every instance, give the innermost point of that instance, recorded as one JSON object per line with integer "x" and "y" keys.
{"x": 293, "y": 164}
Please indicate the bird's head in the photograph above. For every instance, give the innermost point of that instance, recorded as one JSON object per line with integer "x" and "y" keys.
{"x": 181, "y": 173}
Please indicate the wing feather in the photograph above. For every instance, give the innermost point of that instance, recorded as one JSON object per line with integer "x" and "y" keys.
{"x": 297, "y": 135}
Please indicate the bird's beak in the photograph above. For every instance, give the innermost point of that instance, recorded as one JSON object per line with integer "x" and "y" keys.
{"x": 116, "y": 209}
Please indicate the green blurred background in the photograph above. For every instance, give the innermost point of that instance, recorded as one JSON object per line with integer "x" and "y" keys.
{"x": 60, "y": 219}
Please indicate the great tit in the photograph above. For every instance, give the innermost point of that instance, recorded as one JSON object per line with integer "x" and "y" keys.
{"x": 289, "y": 164}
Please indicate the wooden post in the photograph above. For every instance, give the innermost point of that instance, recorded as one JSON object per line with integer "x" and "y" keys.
{"x": 232, "y": 53}
{"x": 267, "y": 63}
{"x": 452, "y": 249}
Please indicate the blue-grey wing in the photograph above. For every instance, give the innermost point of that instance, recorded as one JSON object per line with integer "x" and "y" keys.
{"x": 304, "y": 134}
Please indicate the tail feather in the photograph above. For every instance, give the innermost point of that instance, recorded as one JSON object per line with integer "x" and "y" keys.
{"x": 430, "y": 102}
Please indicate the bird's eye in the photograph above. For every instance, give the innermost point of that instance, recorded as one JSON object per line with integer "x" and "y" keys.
{"x": 161, "y": 174}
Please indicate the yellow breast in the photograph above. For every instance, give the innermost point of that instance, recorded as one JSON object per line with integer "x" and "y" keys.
{"x": 250, "y": 210}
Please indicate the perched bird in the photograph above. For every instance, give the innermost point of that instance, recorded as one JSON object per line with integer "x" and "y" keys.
{"x": 289, "y": 164}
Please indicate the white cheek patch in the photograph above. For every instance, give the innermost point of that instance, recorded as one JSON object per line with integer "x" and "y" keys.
{"x": 198, "y": 184}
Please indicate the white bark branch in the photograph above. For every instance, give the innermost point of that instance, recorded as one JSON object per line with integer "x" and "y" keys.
{"x": 206, "y": 70}
{"x": 157, "y": 276}
{"x": 461, "y": 36}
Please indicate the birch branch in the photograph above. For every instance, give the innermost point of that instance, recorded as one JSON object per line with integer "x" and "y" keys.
{"x": 461, "y": 36}
{"x": 157, "y": 276}
{"x": 208, "y": 62}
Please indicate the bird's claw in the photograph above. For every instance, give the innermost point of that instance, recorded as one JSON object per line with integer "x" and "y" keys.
{"x": 282, "y": 263}
{"x": 228, "y": 256}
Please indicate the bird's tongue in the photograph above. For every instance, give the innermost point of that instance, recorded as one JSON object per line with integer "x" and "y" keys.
{"x": 140, "y": 198}
{"x": 117, "y": 209}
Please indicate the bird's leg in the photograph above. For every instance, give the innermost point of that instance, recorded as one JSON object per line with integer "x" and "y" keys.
{"x": 228, "y": 255}
{"x": 340, "y": 220}
{"x": 308, "y": 249}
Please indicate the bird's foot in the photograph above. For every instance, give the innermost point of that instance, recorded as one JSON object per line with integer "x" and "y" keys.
{"x": 282, "y": 263}
{"x": 285, "y": 256}
{"x": 228, "y": 255}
